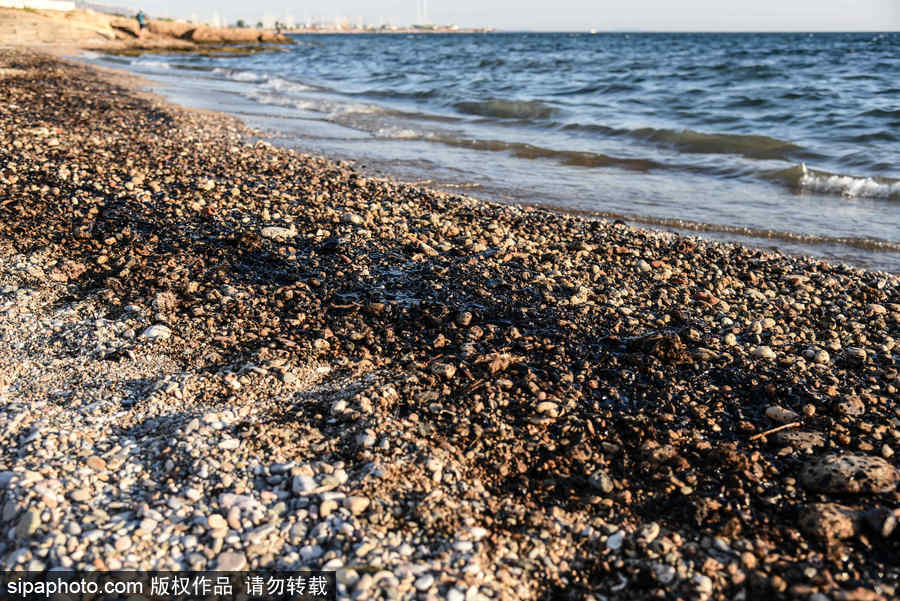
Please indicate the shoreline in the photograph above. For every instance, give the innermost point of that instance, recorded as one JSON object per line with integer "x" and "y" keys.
{"x": 229, "y": 354}
{"x": 810, "y": 223}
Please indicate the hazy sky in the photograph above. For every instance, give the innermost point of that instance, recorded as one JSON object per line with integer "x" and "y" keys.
{"x": 754, "y": 15}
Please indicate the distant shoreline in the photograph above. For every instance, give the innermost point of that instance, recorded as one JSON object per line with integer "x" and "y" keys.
{"x": 404, "y": 30}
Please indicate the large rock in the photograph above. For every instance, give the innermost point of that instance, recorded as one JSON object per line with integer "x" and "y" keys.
{"x": 128, "y": 26}
{"x": 849, "y": 474}
{"x": 203, "y": 35}
{"x": 174, "y": 29}
{"x": 228, "y": 35}
{"x": 829, "y": 521}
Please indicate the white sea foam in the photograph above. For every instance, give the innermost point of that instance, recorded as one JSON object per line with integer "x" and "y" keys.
{"x": 395, "y": 133}
{"x": 846, "y": 185}
{"x": 152, "y": 64}
{"x": 278, "y": 84}
{"x": 247, "y": 76}
{"x": 237, "y": 75}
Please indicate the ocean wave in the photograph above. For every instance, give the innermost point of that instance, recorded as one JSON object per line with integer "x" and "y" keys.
{"x": 573, "y": 158}
{"x": 507, "y": 109}
{"x": 748, "y": 146}
{"x": 846, "y": 185}
{"x": 696, "y": 142}
{"x": 803, "y": 179}
{"x": 238, "y": 75}
{"x": 881, "y": 113}
{"x": 285, "y": 86}
{"x": 152, "y": 64}
{"x": 418, "y": 95}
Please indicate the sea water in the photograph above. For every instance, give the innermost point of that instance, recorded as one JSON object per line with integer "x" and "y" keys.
{"x": 783, "y": 140}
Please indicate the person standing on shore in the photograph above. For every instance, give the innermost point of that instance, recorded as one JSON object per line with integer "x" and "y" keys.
{"x": 142, "y": 20}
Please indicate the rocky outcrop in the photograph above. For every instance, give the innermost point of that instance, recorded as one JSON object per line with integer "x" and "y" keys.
{"x": 228, "y": 35}
{"x": 174, "y": 29}
{"x": 129, "y": 27}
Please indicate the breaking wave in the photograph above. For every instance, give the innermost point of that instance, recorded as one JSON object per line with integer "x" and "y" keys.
{"x": 804, "y": 179}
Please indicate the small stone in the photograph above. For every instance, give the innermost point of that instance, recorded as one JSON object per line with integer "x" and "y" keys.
{"x": 643, "y": 266}
{"x": 875, "y": 309}
{"x": 303, "y": 484}
{"x": 801, "y": 441}
{"x": 97, "y": 464}
{"x": 80, "y": 495}
{"x": 6, "y": 478}
{"x": 445, "y": 370}
{"x": 351, "y": 218}
{"x": 278, "y": 232}
{"x": 548, "y": 408}
{"x": 310, "y": 552}
{"x": 424, "y": 582}
{"x": 257, "y": 535}
{"x": 601, "y": 480}
{"x": 780, "y": 415}
{"x": 327, "y": 507}
{"x": 231, "y": 562}
{"x": 347, "y": 576}
{"x": 730, "y": 339}
{"x": 356, "y": 505}
{"x": 664, "y": 574}
{"x": 763, "y": 352}
{"x": 615, "y": 540}
{"x": 157, "y": 332}
{"x": 649, "y": 533}
{"x": 148, "y": 525}
{"x": 28, "y": 524}
{"x": 123, "y": 543}
{"x": 231, "y": 500}
{"x": 703, "y": 583}
{"x": 849, "y": 474}
{"x": 455, "y": 594}
{"x": 856, "y": 353}
{"x": 852, "y": 405}
{"x": 216, "y": 522}
{"x": 229, "y": 444}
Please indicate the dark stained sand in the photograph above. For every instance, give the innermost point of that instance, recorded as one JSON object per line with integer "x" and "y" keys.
{"x": 217, "y": 353}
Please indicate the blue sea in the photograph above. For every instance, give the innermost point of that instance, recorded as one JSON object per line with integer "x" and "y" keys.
{"x": 776, "y": 140}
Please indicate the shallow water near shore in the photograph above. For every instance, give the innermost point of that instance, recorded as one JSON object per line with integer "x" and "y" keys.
{"x": 784, "y": 140}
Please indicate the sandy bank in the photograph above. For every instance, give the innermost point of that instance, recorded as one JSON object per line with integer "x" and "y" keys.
{"x": 216, "y": 353}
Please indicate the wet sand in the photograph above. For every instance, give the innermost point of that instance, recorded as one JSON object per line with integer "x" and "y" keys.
{"x": 215, "y": 353}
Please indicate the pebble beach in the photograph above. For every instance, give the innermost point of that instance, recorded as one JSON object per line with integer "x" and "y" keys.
{"x": 217, "y": 354}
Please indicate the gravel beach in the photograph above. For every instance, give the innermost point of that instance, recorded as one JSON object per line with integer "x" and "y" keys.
{"x": 219, "y": 354}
